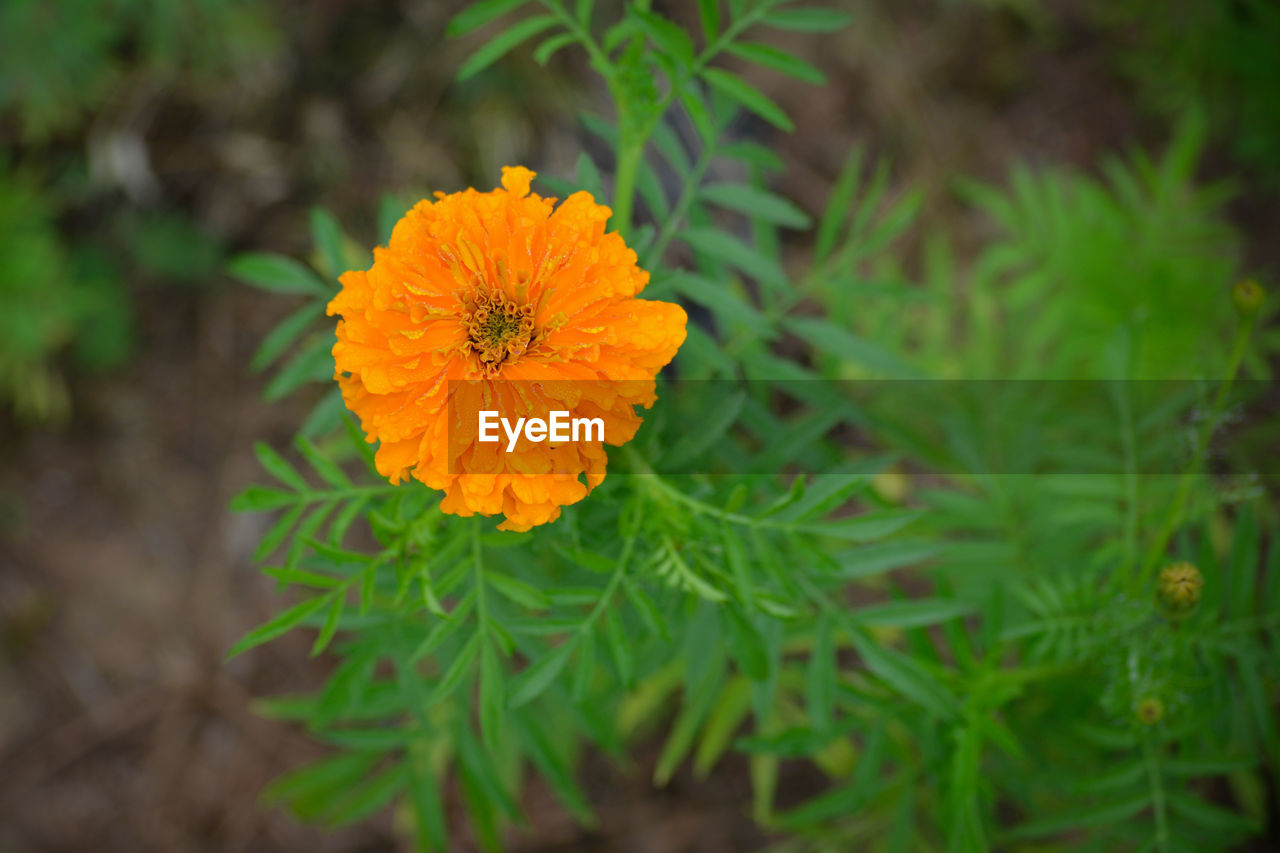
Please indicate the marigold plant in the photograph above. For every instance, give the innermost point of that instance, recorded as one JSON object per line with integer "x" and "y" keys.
{"x": 971, "y": 660}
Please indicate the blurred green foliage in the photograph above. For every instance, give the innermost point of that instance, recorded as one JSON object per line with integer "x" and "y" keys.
{"x": 61, "y": 63}
{"x": 54, "y": 296}
{"x": 62, "y": 58}
{"x": 1220, "y": 55}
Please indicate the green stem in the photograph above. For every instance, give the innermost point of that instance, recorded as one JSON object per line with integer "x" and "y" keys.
{"x": 624, "y": 187}
{"x": 691, "y": 186}
{"x": 1178, "y": 509}
{"x": 1151, "y": 756}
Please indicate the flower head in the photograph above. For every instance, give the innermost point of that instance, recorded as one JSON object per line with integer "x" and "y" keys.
{"x": 503, "y": 301}
{"x": 1178, "y": 589}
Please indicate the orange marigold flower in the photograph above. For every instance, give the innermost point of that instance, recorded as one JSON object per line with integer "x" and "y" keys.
{"x": 500, "y": 300}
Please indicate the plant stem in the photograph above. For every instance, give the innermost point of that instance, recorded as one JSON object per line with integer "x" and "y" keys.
{"x": 1179, "y": 506}
{"x": 624, "y": 186}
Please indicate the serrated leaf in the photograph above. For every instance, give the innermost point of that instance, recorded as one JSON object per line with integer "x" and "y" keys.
{"x": 503, "y": 44}
{"x": 756, "y": 203}
{"x": 748, "y": 96}
{"x": 276, "y": 273}
{"x": 476, "y": 15}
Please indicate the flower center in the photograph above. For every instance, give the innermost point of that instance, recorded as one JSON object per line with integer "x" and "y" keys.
{"x": 500, "y": 330}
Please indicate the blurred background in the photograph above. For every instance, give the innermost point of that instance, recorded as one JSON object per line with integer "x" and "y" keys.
{"x": 146, "y": 141}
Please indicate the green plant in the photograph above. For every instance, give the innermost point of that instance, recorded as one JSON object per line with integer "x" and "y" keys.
{"x": 1006, "y": 649}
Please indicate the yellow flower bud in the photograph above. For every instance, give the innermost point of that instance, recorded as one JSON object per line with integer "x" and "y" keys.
{"x": 1178, "y": 589}
{"x": 1248, "y": 297}
{"x": 1149, "y": 711}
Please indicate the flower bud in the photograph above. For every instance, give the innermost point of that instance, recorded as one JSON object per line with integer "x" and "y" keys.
{"x": 1178, "y": 589}
{"x": 1248, "y": 297}
{"x": 1149, "y": 711}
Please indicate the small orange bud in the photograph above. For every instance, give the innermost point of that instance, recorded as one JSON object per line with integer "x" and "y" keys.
{"x": 1178, "y": 589}
{"x": 1248, "y": 297}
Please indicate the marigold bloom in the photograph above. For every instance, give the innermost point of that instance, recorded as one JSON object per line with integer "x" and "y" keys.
{"x": 485, "y": 299}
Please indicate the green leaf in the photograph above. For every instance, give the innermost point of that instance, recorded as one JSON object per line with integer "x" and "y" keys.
{"x": 1107, "y": 812}
{"x": 330, "y": 625}
{"x": 807, "y": 20}
{"x": 746, "y": 645}
{"x": 285, "y": 333}
{"x": 491, "y": 695}
{"x": 457, "y": 670}
{"x": 430, "y": 830}
{"x": 771, "y": 57}
{"x": 549, "y": 47}
{"x": 476, "y": 15}
{"x": 725, "y": 719}
{"x": 518, "y": 591}
{"x": 729, "y": 249}
{"x": 670, "y": 38}
{"x": 838, "y": 206}
{"x": 327, "y": 235}
{"x": 313, "y": 364}
{"x": 276, "y": 273}
{"x": 903, "y": 674}
{"x": 820, "y": 677}
{"x": 554, "y": 768}
{"x": 278, "y": 532}
{"x": 709, "y": 15}
{"x": 261, "y": 499}
{"x": 530, "y": 683}
{"x": 728, "y": 306}
{"x": 748, "y": 96}
{"x": 369, "y": 797}
{"x": 275, "y": 465}
{"x": 503, "y": 44}
{"x": 278, "y": 626}
{"x": 390, "y": 211}
{"x": 911, "y": 614}
{"x": 328, "y": 471}
{"x": 863, "y": 528}
{"x": 847, "y": 347}
{"x": 619, "y": 646}
{"x": 755, "y": 203}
